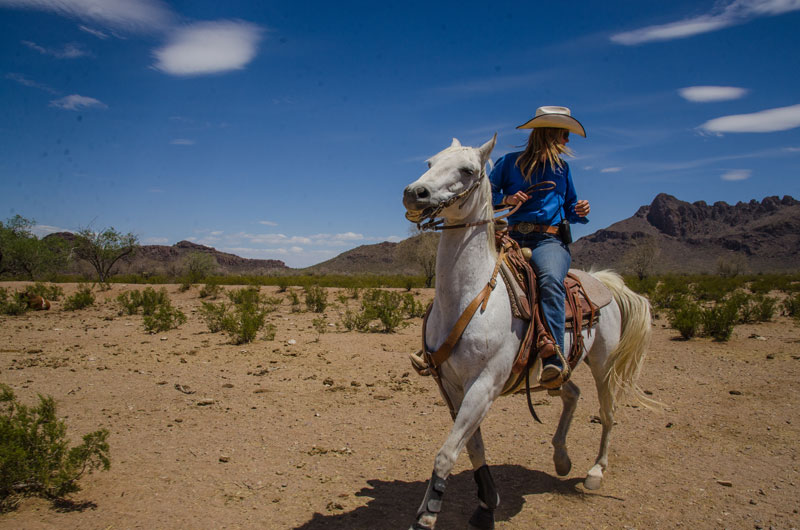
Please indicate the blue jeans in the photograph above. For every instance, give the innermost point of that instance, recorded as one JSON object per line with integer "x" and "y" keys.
{"x": 550, "y": 261}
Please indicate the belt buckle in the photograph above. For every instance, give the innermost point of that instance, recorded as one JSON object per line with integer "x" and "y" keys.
{"x": 525, "y": 228}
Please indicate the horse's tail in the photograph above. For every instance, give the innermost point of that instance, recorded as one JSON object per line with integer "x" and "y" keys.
{"x": 625, "y": 362}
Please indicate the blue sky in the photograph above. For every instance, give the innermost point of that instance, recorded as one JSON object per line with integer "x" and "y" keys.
{"x": 288, "y": 130}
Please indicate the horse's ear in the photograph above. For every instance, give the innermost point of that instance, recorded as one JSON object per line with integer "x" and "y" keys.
{"x": 486, "y": 149}
{"x": 455, "y": 143}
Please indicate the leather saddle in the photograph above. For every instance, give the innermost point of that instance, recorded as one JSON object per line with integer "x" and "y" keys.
{"x": 585, "y": 296}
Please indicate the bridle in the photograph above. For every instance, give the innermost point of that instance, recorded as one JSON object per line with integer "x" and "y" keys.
{"x": 435, "y": 224}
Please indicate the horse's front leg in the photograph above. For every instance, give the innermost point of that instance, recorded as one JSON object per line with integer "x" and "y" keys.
{"x": 471, "y": 412}
{"x": 483, "y": 516}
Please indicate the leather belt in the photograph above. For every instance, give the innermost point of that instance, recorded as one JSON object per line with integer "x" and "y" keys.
{"x": 527, "y": 228}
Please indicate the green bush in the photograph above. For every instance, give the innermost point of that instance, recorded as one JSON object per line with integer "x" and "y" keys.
{"x": 686, "y": 318}
{"x": 355, "y": 320}
{"x": 791, "y": 306}
{"x": 34, "y": 455}
{"x": 385, "y": 306}
{"x": 12, "y": 304}
{"x": 149, "y": 300}
{"x": 714, "y": 288}
{"x": 413, "y": 308}
{"x": 185, "y": 286}
{"x": 243, "y": 320}
{"x": 165, "y": 318}
{"x": 49, "y": 292}
{"x": 316, "y": 298}
{"x": 719, "y": 319}
{"x": 81, "y": 299}
{"x": 214, "y": 315}
{"x": 210, "y": 290}
{"x": 765, "y": 308}
{"x": 671, "y": 290}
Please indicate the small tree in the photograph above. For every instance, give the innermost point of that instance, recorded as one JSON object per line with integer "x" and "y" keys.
{"x": 103, "y": 249}
{"x": 641, "y": 258}
{"x": 21, "y": 252}
{"x": 421, "y": 249}
{"x": 198, "y": 266}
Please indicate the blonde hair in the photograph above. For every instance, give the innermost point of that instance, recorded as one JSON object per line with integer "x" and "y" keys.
{"x": 544, "y": 148}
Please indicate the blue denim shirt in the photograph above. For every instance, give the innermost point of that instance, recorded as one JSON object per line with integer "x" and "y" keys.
{"x": 544, "y": 207}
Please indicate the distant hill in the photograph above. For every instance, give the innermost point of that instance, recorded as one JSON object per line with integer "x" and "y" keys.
{"x": 689, "y": 237}
{"x": 693, "y": 237}
{"x": 169, "y": 260}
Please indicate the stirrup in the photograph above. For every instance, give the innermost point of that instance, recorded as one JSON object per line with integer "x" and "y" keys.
{"x": 419, "y": 364}
{"x": 553, "y": 382}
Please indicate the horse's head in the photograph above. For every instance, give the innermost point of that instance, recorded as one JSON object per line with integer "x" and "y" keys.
{"x": 453, "y": 174}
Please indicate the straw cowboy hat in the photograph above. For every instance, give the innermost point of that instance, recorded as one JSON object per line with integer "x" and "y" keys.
{"x": 557, "y": 117}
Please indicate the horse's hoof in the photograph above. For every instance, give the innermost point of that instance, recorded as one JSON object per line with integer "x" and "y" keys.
{"x": 482, "y": 519}
{"x": 563, "y": 467}
{"x": 593, "y": 482}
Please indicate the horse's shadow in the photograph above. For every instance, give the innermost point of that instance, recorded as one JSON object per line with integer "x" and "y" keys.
{"x": 395, "y": 502}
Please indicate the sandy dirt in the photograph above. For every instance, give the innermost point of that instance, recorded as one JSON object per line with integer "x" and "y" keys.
{"x": 336, "y": 430}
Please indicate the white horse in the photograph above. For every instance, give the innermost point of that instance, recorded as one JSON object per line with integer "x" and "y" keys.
{"x": 457, "y": 189}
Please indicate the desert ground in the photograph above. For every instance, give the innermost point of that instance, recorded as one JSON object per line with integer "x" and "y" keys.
{"x": 335, "y": 430}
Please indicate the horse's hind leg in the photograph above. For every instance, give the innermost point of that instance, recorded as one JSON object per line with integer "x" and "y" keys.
{"x": 594, "y": 479}
{"x": 569, "y": 398}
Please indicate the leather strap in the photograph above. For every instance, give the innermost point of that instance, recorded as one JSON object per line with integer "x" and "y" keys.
{"x": 435, "y": 359}
{"x": 527, "y": 228}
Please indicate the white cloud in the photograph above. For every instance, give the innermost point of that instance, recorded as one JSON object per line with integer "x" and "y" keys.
{"x": 611, "y": 170}
{"x": 76, "y": 102}
{"x": 24, "y": 81}
{"x": 722, "y": 16}
{"x": 792, "y": 149}
{"x": 70, "y": 50}
{"x": 43, "y": 230}
{"x": 96, "y": 32}
{"x": 704, "y": 94}
{"x": 268, "y": 223}
{"x": 128, "y": 15}
{"x": 208, "y": 48}
{"x": 182, "y": 141}
{"x": 737, "y": 174}
{"x": 770, "y": 120}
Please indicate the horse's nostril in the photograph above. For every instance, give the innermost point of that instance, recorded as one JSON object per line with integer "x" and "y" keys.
{"x": 422, "y": 192}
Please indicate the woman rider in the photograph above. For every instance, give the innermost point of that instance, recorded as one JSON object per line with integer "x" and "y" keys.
{"x": 535, "y": 223}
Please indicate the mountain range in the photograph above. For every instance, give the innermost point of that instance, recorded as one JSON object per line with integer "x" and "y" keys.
{"x": 673, "y": 235}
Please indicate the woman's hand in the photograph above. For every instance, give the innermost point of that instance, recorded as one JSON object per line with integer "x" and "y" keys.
{"x": 515, "y": 199}
{"x": 582, "y": 208}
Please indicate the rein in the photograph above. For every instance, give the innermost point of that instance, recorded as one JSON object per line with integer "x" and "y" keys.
{"x": 438, "y": 224}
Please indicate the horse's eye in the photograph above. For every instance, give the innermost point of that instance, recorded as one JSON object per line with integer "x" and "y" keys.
{"x": 468, "y": 171}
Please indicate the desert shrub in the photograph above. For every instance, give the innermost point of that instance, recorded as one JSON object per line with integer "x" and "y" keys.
{"x": 295, "y": 299}
{"x": 746, "y": 306}
{"x": 355, "y": 320}
{"x": 245, "y": 295}
{"x": 686, "y": 319}
{"x": 671, "y": 290}
{"x": 149, "y": 300}
{"x": 771, "y": 282}
{"x": 385, "y": 306}
{"x": 34, "y": 455}
{"x": 50, "y": 292}
{"x": 165, "y": 318}
{"x": 210, "y": 290}
{"x": 269, "y": 331}
{"x": 283, "y": 284}
{"x": 765, "y": 307}
{"x": 213, "y": 315}
{"x": 243, "y": 322}
{"x": 791, "y": 306}
{"x": 412, "y": 308}
{"x": 185, "y": 286}
{"x": 719, "y": 319}
{"x": 320, "y": 325}
{"x": 272, "y": 300}
{"x": 316, "y": 298}
{"x": 353, "y": 292}
{"x": 714, "y": 288}
{"x": 12, "y": 304}
{"x": 81, "y": 299}
{"x": 645, "y": 286}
